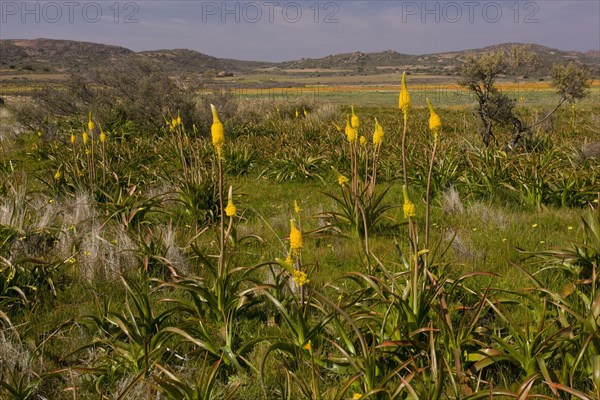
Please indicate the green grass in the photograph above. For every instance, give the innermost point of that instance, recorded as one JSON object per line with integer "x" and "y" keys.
{"x": 386, "y": 97}
{"x": 67, "y": 241}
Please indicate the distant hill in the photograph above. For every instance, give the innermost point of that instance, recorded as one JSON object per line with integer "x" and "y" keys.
{"x": 50, "y": 55}
{"x": 183, "y": 60}
{"x": 438, "y": 63}
{"x": 356, "y": 59}
{"x": 56, "y": 56}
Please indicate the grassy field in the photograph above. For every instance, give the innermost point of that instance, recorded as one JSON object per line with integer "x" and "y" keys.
{"x": 381, "y": 91}
{"x": 123, "y": 274}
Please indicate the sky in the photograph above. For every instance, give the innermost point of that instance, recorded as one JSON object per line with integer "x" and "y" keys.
{"x": 280, "y": 30}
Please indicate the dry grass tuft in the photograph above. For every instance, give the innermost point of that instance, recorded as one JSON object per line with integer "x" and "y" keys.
{"x": 591, "y": 150}
{"x": 451, "y": 202}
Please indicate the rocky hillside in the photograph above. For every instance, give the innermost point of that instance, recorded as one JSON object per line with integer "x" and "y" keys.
{"x": 49, "y": 55}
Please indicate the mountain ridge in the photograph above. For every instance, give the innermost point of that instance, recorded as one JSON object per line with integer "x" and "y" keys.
{"x": 56, "y": 55}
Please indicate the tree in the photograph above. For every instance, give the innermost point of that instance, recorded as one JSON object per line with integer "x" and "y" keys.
{"x": 570, "y": 80}
{"x": 480, "y": 72}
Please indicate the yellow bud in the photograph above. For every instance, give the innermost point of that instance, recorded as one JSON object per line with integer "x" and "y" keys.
{"x": 72, "y": 138}
{"x": 297, "y": 208}
{"x": 178, "y": 118}
{"x": 350, "y": 132}
{"x": 355, "y": 122}
{"x": 90, "y": 122}
{"x": 404, "y": 100}
{"x": 58, "y": 174}
{"x": 102, "y": 137}
{"x": 217, "y": 131}
{"x": 297, "y": 114}
{"x": 305, "y": 112}
{"x": 408, "y": 207}
{"x": 230, "y": 210}
{"x": 378, "y": 134}
{"x": 85, "y": 137}
{"x": 435, "y": 123}
{"x": 362, "y": 140}
{"x": 295, "y": 238}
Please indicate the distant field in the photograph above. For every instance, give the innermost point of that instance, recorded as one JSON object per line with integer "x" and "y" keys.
{"x": 447, "y": 94}
{"x": 337, "y": 86}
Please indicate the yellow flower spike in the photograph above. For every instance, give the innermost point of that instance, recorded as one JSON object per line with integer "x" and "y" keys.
{"x": 289, "y": 261}
{"x": 102, "y": 136}
{"x": 295, "y": 238}
{"x": 217, "y": 131}
{"x": 435, "y": 123}
{"x": 404, "y": 100}
{"x": 90, "y": 122}
{"x": 342, "y": 180}
{"x": 354, "y": 119}
{"x": 305, "y": 112}
{"x": 58, "y": 174}
{"x": 300, "y": 278}
{"x": 297, "y": 114}
{"x": 178, "y": 118}
{"x": 297, "y": 208}
{"x": 350, "y": 132}
{"x": 72, "y": 137}
{"x": 408, "y": 207}
{"x": 362, "y": 140}
{"x": 378, "y": 134}
{"x": 230, "y": 210}
{"x": 85, "y": 137}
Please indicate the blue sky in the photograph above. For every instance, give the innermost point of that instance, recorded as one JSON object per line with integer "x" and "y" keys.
{"x": 286, "y": 30}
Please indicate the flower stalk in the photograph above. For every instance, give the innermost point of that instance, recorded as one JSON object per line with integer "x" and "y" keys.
{"x": 435, "y": 126}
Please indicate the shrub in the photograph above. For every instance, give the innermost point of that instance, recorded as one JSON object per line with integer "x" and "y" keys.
{"x": 131, "y": 90}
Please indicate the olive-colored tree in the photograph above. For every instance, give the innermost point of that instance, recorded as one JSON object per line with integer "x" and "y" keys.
{"x": 480, "y": 72}
{"x": 571, "y": 81}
